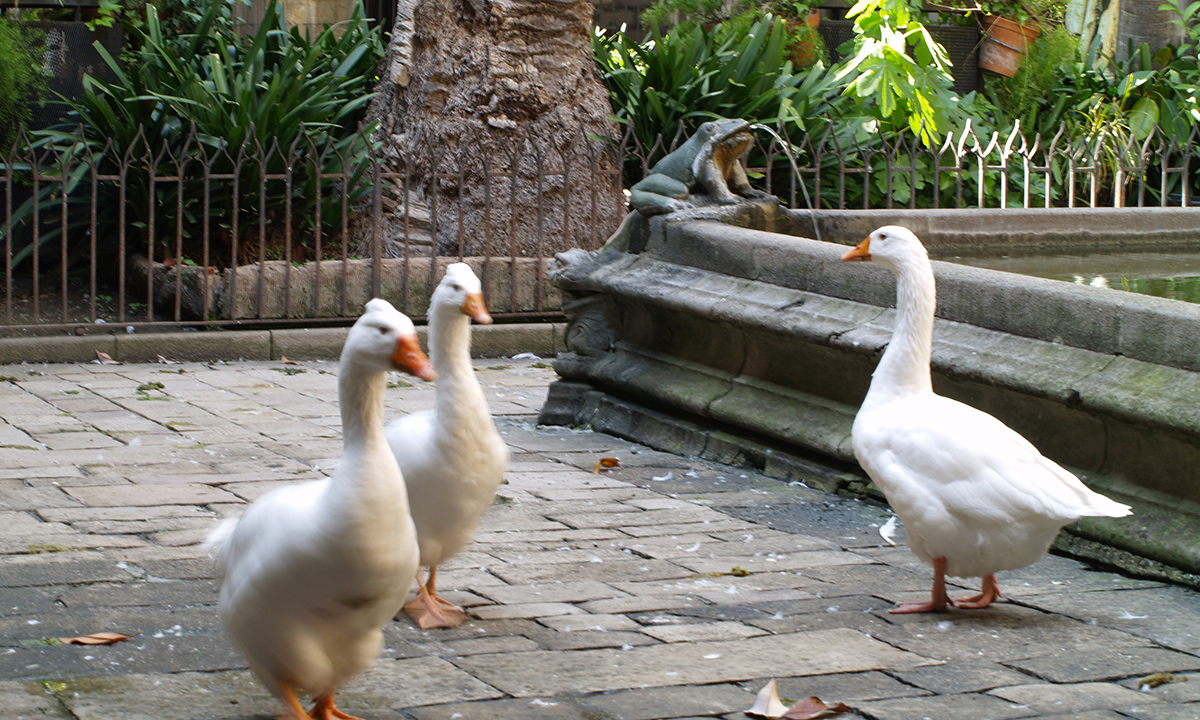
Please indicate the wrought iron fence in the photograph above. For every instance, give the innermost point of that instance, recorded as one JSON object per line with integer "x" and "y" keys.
{"x": 206, "y": 235}
{"x": 990, "y": 170}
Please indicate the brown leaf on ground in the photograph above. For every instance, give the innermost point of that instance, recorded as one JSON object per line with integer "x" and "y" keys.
{"x": 606, "y": 464}
{"x": 283, "y": 359}
{"x": 106, "y": 359}
{"x": 1160, "y": 678}
{"x": 100, "y": 638}
{"x": 811, "y": 708}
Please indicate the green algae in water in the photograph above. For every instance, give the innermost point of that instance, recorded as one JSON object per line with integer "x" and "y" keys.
{"x": 1186, "y": 289}
{"x": 1172, "y": 275}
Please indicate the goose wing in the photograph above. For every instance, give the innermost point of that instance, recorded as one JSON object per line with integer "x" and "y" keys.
{"x": 932, "y": 452}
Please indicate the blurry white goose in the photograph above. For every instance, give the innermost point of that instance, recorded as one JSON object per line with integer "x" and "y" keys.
{"x": 974, "y": 496}
{"x": 452, "y": 457}
{"x": 312, "y": 572}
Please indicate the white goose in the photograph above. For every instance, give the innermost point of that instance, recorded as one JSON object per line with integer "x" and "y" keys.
{"x": 974, "y": 496}
{"x": 312, "y": 572}
{"x": 452, "y": 457}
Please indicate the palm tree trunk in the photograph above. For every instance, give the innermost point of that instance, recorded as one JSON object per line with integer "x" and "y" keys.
{"x": 508, "y": 90}
{"x": 1111, "y": 24}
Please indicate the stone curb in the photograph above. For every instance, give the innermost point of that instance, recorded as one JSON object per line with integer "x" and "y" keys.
{"x": 542, "y": 339}
{"x": 950, "y": 228}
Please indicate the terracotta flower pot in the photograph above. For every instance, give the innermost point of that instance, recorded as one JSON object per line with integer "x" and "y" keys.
{"x": 1004, "y": 44}
{"x": 803, "y": 53}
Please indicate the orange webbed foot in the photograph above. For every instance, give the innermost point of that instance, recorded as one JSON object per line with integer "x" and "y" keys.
{"x": 990, "y": 592}
{"x": 324, "y": 709}
{"x": 294, "y": 710}
{"x": 918, "y": 607}
{"x": 937, "y": 600}
{"x": 432, "y": 611}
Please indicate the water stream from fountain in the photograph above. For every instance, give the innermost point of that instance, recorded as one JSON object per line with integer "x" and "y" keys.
{"x": 787, "y": 150}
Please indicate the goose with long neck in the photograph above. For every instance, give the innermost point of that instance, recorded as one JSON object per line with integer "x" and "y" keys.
{"x": 975, "y": 497}
{"x": 452, "y": 457}
{"x": 312, "y": 572}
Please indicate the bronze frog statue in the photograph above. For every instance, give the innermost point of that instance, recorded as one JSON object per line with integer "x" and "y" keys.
{"x": 707, "y": 162}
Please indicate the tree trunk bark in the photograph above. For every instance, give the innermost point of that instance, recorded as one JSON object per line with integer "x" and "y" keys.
{"x": 1116, "y": 22}
{"x": 1143, "y": 22}
{"x": 488, "y": 111}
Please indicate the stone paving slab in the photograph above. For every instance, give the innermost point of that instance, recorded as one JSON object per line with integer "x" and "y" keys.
{"x": 668, "y": 588}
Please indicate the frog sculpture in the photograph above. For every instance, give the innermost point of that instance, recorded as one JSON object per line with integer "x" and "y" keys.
{"x": 706, "y": 165}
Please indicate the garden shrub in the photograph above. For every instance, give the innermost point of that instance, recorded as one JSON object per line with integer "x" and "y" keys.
{"x": 22, "y": 83}
{"x": 677, "y": 80}
{"x": 201, "y": 100}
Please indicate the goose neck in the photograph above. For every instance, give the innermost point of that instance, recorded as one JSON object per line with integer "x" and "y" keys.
{"x": 360, "y": 397}
{"x": 459, "y": 396}
{"x": 904, "y": 369}
{"x": 449, "y": 342}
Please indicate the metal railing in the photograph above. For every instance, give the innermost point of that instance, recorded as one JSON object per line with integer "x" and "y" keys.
{"x": 145, "y": 237}
{"x": 991, "y": 170}
{"x": 149, "y": 236}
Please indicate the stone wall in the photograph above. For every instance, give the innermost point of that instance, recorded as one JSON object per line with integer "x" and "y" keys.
{"x": 333, "y": 289}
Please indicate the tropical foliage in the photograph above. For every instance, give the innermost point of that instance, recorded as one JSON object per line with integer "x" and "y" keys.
{"x": 215, "y": 104}
{"x": 21, "y": 82}
{"x": 890, "y": 101}
{"x": 687, "y": 76}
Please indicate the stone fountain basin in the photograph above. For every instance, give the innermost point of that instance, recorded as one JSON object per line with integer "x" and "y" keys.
{"x": 724, "y": 333}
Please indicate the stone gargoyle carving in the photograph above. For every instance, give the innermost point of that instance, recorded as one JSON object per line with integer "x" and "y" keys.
{"x": 706, "y": 165}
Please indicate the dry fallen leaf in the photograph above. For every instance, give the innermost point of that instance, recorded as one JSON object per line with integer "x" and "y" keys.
{"x": 100, "y": 638}
{"x": 283, "y": 359}
{"x": 1160, "y": 678}
{"x": 768, "y": 704}
{"x": 606, "y": 464}
{"x": 811, "y": 708}
{"x": 106, "y": 359}
{"x": 162, "y": 360}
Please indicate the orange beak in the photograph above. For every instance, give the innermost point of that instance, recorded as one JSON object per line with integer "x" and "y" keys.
{"x": 475, "y": 308}
{"x": 409, "y": 358}
{"x": 860, "y": 252}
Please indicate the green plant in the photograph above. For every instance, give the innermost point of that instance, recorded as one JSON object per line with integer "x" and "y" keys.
{"x": 807, "y": 47}
{"x": 177, "y": 18}
{"x": 1021, "y": 11}
{"x": 725, "y": 18}
{"x": 272, "y": 104}
{"x": 898, "y": 71}
{"x": 1033, "y": 95}
{"x": 21, "y": 81}
{"x": 685, "y": 14}
{"x": 682, "y": 78}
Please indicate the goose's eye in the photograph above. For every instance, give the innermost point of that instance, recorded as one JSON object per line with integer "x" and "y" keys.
{"x": 456, "y": 287}
{"x": 382, "y": 330}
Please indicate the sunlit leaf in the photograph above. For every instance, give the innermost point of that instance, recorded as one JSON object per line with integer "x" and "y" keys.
{"x": 1143, "y": 118}
{"x": 607, "y": 463}
{"x": 100, "y": 638}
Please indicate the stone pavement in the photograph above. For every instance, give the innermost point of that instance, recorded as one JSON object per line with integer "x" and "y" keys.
{"x": 665, "y": 588}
